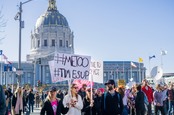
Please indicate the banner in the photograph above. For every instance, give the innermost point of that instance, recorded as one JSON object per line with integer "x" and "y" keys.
{"x": 96, "y": 71}
{"x": 70, "y": 66}
{"x": 79, "y": 83}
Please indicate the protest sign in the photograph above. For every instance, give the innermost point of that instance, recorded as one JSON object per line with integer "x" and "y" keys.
{"x": 96, "y": 71}
{"x": 54, "y": 79}
{"x": 70, "y": 66}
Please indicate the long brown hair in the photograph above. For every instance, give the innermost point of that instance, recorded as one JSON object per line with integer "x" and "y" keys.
{"x": 72, "y": 86}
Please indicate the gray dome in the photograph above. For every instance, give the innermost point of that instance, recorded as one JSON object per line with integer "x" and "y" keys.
{"x": 51, "y": 17}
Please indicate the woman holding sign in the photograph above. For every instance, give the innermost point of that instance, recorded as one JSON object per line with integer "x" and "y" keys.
{"x": 73, "y": 101}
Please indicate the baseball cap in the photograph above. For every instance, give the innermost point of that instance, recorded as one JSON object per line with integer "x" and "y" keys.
{"x": 111, "y": 81}
{"x": 53, "y": 88}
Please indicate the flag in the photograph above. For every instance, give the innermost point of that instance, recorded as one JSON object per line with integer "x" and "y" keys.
{"x": 163, "y": 52}
{"x": 150, "y": 57}
{"x": 4, "y": 57}
{"x": 7, "y": 62}
{"x": 140, "y": 60}
{"x": 133, "y": 65}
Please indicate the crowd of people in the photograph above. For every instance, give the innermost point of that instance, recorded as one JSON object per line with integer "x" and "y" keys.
{"x": 139, "y": 99}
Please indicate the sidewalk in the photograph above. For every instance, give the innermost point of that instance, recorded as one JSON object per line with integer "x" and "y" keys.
{"x": 36, "y": 111}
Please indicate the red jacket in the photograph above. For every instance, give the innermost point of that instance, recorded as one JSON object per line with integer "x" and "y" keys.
{"x": 149, "y": 93}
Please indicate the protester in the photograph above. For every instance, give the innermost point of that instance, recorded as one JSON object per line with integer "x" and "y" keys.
{"x": 89, "y": 103}
{"x": 2, "y": 101}
{"x": 98, "y": 99}
{"x": 82, "y": 91}
{"x": 24, "y": 99}
{"x": 31, "y": 100}
{"x": 60, "y": 94}
{"x": 131, "y": 99}
{"x": 52, "y": 105}
{"x": 74, "y": 101}
{"x": 37, "y": 98}
{"x": 158, "y": 101}
{"x": 8, "y": 96}
{"x": 17, "y": 102}
{"x": 112, "y": 103}
{"x": 149, "y": 93}
{"x": 139, "y": 101}
{"x": 170, "y": 95}
{"x": 165, "y": 100}
{"x": 124, "y": 97}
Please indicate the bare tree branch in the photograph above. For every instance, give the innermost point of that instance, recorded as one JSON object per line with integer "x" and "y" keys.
{"x": 3, "y": 23}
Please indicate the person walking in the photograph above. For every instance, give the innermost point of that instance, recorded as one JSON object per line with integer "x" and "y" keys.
{"x": 31, "y": 100}
{"x": 112, "y": 103}
{"x": 17, "y": 102}
{"x": 53, "y": 105}
{"x": 37, "y": 98}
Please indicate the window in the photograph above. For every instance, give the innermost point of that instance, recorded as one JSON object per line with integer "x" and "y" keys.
{"x": 60, "y": 43}
{"x": 38, "y": 43}
{"x": 67, "y": 44}
{"x": 53, "y": 43}
{"x": 45, "y": 42}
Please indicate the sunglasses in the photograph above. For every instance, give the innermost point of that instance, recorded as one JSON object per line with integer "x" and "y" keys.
{"x": 75, "y": 87}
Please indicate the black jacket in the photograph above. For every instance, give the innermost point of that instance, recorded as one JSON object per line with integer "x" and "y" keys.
{"x": 139, "y": 101}
{"x": 112, "y": 105}
{"x": 31, "y": 98}
{"x": 87, "y": 109}
{"x": 47, "y": 108}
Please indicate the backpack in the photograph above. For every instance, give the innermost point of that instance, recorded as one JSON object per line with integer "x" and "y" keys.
{"x": 105, "y": 100}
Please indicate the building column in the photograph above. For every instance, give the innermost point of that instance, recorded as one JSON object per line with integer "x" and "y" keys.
{"x": 43, "y": 74}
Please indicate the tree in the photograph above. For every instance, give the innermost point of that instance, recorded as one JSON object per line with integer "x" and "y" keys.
{"x": 2, "y": 25}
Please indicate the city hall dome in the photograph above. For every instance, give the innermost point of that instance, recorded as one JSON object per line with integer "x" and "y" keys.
{"x": 51, "y": 17}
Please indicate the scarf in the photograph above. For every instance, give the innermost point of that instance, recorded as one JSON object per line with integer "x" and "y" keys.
{"x": 19, "y": 104}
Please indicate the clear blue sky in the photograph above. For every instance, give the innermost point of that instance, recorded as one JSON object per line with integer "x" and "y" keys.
{"x": 103, "y": 29}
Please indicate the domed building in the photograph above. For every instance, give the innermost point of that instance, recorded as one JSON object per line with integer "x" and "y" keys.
{"x": 51, "y": 33}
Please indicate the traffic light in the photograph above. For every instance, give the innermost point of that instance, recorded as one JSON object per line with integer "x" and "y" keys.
{"x": 38, "y": 83}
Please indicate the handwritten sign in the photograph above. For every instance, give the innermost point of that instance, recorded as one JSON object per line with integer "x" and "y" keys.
{"x": 121, "y": 82}
{"x": 96, "y": 71}
{"x": 53, "y": 76}
{"x": 70, "y": 66}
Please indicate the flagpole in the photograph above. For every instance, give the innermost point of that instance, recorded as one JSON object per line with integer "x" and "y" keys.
{"x": 131, "y": 72}
{"x": 139, "y": 73}
{"x": 149, "y": 67}
{"x": 161, "y": 61}
{"x": 123, "y": 70}
{"x": 1, "y": 70}
{"x": 91, "y": 95}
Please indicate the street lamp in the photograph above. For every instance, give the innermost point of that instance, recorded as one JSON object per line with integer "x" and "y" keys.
{"x": 21, "y": 25}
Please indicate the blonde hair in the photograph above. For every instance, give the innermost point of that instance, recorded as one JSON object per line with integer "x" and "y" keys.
{"x": 17, "y": 91}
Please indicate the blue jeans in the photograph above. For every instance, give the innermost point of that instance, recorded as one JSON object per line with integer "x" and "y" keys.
{"x": 31, "y": 104}
{"x": 171, "y": 105}
{"x": 125, "y": 110}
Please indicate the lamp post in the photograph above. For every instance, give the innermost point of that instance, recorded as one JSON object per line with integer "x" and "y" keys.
{"x": 21, "y": 25}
